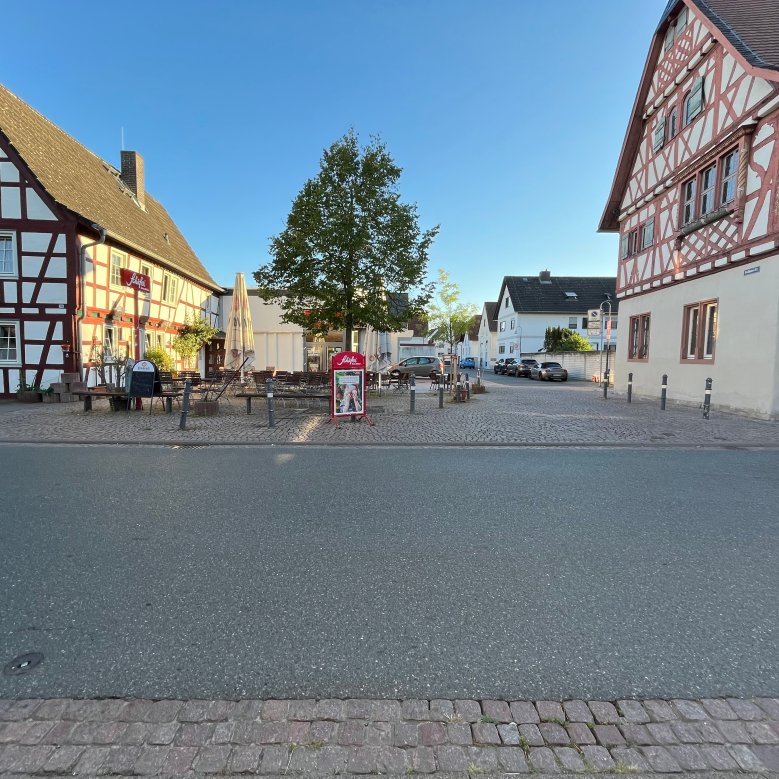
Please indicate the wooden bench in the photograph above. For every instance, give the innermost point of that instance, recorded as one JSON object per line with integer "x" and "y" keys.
{"x": 88, "y": 395}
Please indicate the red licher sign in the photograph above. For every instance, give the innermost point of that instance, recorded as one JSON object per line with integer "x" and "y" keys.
{"x": 138, "y": 281}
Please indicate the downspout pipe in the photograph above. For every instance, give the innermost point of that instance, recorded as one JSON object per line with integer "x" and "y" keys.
{"x": 81, "y": 305}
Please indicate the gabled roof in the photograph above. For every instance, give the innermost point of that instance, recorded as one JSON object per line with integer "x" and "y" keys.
{"x": 473, "y": 332}
{"x": 491, "y": 312}
{"x": 93, "y": 190}
{"x": 531, "y": 295}
{"x": 749, "y": 30}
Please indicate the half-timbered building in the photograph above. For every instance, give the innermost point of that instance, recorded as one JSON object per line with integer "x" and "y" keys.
{"x": 90, "y": 264}
{"x": 694, "y": 203}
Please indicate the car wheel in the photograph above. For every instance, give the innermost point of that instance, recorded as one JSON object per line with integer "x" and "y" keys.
{"x": 564, "y": 378}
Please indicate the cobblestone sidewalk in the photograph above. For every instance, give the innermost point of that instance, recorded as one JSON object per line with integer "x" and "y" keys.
{"x": 515, "y": 414}
{"x": 464, "y": 738}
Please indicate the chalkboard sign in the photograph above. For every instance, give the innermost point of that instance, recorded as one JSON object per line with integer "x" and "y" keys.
{"x": 144, "y": 380}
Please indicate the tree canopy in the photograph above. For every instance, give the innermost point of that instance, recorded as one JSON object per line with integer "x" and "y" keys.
{"x": 352, "y": 254}
{"x": 449, "y": 319}
{"x": 561, "y": 339}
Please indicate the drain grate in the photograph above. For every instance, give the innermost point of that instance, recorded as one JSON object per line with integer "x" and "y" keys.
{"x": 23, "y": 664}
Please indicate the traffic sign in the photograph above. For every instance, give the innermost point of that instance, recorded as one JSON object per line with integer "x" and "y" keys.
{"x": 594, "y": 315}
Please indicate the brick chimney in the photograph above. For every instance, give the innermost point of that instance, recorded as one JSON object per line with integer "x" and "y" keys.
{"x": 132, "y": 175}
{"x": 545, "y": 277}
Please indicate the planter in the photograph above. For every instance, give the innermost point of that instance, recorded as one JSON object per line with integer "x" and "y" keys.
{"x": 52, "y": 397}
{"x": 205, "y": 408}
{"x": 26, "y": 396}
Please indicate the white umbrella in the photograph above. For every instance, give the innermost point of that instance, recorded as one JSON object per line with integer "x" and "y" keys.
{"x": 239, "y": 338}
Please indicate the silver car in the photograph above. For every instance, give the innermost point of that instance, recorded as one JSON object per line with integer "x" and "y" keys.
{"x": 548, "y": 371}
{"x": 419, "y": 366}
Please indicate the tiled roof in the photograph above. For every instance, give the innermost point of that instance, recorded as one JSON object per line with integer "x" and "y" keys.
{"x": 491, "y": 309}
{"x": 91, "y": 188}
{"x": 530, "y": 295}
{"x": 751, "y": 26}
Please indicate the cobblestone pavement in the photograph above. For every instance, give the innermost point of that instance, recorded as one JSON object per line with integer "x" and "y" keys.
{"x": 462, "y": 738}
{"x": 521, "y": 413}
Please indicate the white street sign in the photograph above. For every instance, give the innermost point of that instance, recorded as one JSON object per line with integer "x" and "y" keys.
{"x": 593, "y": 315}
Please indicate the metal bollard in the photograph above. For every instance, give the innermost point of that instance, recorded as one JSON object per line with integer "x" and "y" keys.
{"x": 606, "y": 384}
{"x": 185, "y": 404}
{"x": 467, "y": 387}
{"x": 457, "y": 398}
{"x": 663, "y": 389}
{"x": 707, "y": 399}
{"x": 630, "y": 387}
{"x": 269, "y": 396}
{"x": 441, "y": 392}
{"x": 412, "y": 391}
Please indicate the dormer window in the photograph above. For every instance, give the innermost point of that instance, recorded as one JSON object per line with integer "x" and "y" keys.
{"x": 571, "y": 296}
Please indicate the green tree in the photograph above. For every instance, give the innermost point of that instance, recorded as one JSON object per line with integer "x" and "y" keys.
{"x": 351, "y": 254}
{"x": 192, "y": 337}
{"x": 449, "y": 319}
{"x": 561, "y": 339}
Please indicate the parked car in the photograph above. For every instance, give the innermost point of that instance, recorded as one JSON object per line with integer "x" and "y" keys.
{"x": 548, "y": 371}
{"x": 502, "y": 365}
{"x": 419, "y": 366}
{"x": 519, "y": 367}
{"x": 467, "y": 362}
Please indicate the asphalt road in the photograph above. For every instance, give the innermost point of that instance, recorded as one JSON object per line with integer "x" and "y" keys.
{"x": 315, "y": 572}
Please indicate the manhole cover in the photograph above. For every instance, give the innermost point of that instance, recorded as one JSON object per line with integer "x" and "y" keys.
{"x": 23, "y": 664}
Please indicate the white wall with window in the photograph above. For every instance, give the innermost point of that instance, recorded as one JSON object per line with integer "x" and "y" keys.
{"x": 700, "y": 329}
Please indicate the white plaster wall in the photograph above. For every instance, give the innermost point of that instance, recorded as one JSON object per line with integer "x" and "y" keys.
{"x": 10, "y": 203}
{"x": 748, "y": 325}
{"x": 36, "y": 208}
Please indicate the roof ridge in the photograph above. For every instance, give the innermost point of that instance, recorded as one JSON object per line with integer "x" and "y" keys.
{"x": 59, "y": 129}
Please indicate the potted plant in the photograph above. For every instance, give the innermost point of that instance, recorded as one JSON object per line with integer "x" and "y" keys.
{"x": 28, "y": 393}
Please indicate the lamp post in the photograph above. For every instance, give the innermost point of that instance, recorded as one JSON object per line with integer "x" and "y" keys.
{"x": 608, "y": 342}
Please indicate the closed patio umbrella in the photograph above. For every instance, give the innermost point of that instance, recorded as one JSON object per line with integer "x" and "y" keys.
{"x": 239, "y": 341}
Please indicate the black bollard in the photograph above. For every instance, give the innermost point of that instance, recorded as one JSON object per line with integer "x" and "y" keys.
{"x": 606, "y": 384}
{"x": 185, "y": 405}
{"x": 269, "y": 396}
{"x": 663, "y": 390}
{"x": 412, "y": 391}
{"x": 707, "y": 399}
{"x": 441, "y": 391}
{"x": 630, "y": 387}
{"x": 467, "y": 387}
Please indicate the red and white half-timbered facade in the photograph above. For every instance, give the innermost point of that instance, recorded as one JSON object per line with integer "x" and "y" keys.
{"x": 694, "y": 201}
{"x": 89, "y": 262}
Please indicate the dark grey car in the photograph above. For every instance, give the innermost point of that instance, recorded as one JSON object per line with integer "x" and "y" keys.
{"x": 419, "y": 366}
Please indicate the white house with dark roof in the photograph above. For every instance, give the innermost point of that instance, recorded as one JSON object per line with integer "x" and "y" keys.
{"x": 488, "y": 329}
{"x": 528, "y": 305}
{"x": 89, "y": 261}
{"x": 694, "y": 201}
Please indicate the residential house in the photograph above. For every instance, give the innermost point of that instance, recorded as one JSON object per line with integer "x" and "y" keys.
{"x": 488, "y": 331}
{"x": 528, "y": 305}
{"x": 694, "y": 203}
{"x": 468, "y": 345}
{"x": 90, "y": 263}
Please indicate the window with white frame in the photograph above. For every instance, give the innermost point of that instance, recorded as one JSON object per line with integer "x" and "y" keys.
{"x": 501, "y": 349}
{"x": 9, "y": 343}
{"x": 572, "y": 322}
{"x": 7, "y": 254}
{"x": 729, "y": 171}
{"x": 170, "y": 286}
{"x": 708, "y": 187}
{"x": 513, "y": 324}
{"x": 502, "y": 327}
{"x": 118, "y": 261}
{"x": 146, "y": 271}
{"x": 700, "y": 330}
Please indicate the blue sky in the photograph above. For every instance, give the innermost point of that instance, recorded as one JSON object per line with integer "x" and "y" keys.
{"x": 507, "y": 116}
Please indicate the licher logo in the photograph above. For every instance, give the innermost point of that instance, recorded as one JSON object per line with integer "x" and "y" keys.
{"x": 350, "y": 361}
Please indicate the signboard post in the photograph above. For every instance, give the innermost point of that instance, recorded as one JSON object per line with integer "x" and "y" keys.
{"x": 349, "y": 391}
{"x": 143, "y": 381}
